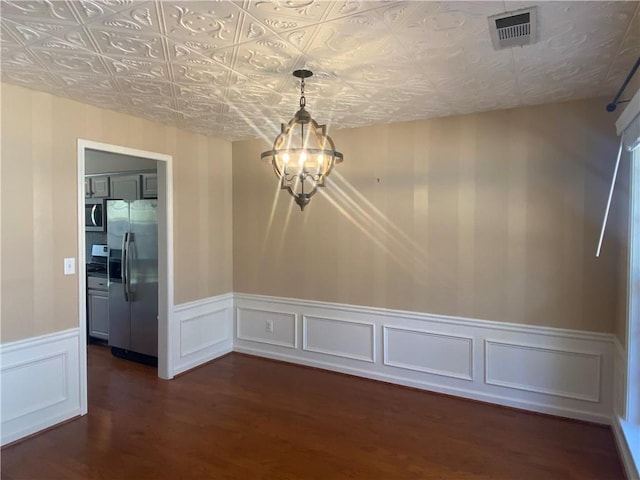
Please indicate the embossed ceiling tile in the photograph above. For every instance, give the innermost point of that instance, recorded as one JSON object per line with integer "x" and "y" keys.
{"x": 590, "y": 17}
{"x": 41, "y": 11}
{"x": 106, "y": 101}
{"x": 630, "y": 45}
{"x": 266, "y": 80}
{"x": 269, "y": 20}
{"x": 337, "y": 42}
{"x": 138, "y": 87}
{"x": 160, "y": 109}
{"x": 214, "y": 23}
{"x": 34, "y": 79}
{"x": 19, "y": 58}
{"x": 76, "y": 61}
{"x": 301, "y": 37}
{"x": 198, "y": 110}
{"x": 71, "y": 41}
{"x": 139, "y": 17}
{"x": 255, "y": 96}
{"x": 443, "y": 24}
{"x": 266, "y": 56}
{"x": 131, "y": 44}
{"x": 30, "y": 31}
{"x": 9, "y": 39}
{"x": 198, "y": 75}
{"x": 467, "y": 61}
{"x": 198, "y": 93}
{"x": 397, "y": 13}
{"x": 122, "y": 66}
{"x": 300, "y": 10}
{"x": 200, "y": 54}
{"x": 83, "y": 82}
{"x": 91, "y": 10}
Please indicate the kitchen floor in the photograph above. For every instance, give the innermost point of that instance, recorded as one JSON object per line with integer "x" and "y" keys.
{"x": 242, "y": 417}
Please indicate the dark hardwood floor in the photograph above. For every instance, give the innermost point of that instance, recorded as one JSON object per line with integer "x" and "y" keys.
{"x": 241, "y": 417}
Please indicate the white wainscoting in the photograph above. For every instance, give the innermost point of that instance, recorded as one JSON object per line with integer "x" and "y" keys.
{"x": 40, "y": 383}
{"x": 619, "y": 379}
{"x": 204, "y": 330}
{"x": 556, "y": 371}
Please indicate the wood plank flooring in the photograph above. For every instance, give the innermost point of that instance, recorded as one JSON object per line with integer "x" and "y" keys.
{"x": 242, "y": 417}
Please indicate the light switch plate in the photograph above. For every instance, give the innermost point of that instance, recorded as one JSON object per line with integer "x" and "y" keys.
{"x": 69, "y": 266}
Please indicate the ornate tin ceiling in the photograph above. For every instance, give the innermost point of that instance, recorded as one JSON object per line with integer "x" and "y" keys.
{"x": 222, "y": 67}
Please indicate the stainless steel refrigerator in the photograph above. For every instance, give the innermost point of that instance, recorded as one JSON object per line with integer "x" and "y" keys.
{"x": 132, "y": 237}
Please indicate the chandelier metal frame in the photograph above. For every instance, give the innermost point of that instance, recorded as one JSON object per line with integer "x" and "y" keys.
{"x": 302, "y": 157}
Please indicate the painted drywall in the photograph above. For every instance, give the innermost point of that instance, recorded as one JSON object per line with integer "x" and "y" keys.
{"x": 39, "y": 206}
{"x": 493, "y": 216}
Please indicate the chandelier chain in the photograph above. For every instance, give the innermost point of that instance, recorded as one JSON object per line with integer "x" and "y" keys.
{"x": 303, "y": 101}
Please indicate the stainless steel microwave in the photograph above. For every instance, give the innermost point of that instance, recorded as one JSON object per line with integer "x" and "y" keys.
{"x": 95, "y": 215}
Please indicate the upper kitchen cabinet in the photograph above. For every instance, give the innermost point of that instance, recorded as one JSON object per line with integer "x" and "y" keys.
{"x": 149, "y": 185}
{"x": 96, "y": 187}
{"x": 125, "y": 187}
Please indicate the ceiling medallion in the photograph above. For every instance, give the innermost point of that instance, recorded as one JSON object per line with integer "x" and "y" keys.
{"x": 303, "y": 154}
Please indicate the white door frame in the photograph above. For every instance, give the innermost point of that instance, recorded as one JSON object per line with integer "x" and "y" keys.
{"x": 165, "y": 258}
{"x": 633, "y": 306}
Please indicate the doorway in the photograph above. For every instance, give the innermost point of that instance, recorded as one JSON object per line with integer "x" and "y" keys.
{"x": 163, "y": 163}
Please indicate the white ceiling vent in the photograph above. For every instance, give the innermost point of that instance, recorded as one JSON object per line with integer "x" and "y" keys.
{"x": 513, "y": 29}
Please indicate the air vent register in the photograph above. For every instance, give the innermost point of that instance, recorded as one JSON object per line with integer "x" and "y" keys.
{"x": 513, "y": 29}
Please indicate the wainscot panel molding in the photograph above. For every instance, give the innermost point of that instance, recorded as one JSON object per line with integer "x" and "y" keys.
{"x": 526, "y": 367}
{"x": 429, "y": 352}
{"x": 340, "y": 338}
{"x": 273, "y": 327}
{"x": 205, "y": 331}
{"x": 549, "y": 370}
{"x": 40, "y": 383}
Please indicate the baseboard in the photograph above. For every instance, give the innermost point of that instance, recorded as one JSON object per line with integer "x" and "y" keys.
{"x": 40, "y": 380}
{"x": 203, "y": 331}
{"x": 555, "y": 371}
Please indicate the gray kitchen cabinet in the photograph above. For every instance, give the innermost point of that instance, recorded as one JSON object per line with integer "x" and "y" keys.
{"x": 98, "y": 307}
{"x": 149, "y": 185}
{"x": 125, "y": 187}
{"x": 96, "y": 187}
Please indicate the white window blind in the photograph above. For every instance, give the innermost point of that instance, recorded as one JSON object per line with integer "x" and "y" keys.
{"x": 628, "y": 124}
{"x": 628, "y": 127}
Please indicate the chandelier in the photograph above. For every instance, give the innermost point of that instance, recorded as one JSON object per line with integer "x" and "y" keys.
{"x": 303, "y": 154}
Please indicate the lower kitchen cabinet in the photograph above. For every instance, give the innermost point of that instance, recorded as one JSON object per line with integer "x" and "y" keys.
{"x": 98, "y": 308}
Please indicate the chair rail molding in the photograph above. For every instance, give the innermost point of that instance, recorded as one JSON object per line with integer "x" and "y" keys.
{"x": 562, "y": 372}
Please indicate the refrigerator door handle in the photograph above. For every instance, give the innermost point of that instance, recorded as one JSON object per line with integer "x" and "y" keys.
{"x": 93, "y": 216}
{"x": 124, "y": 260}
{"x": 127, "y": 267}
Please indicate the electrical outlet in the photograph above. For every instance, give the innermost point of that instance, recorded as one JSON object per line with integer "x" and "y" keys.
{"x": 269, "y": 326}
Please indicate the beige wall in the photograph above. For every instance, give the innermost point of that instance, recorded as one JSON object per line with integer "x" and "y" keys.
{"x": 493, "y": 216}
{"x": 39, "y": 206}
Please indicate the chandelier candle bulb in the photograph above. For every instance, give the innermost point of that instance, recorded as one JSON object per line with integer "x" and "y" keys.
{"x": 316, "y": 147}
